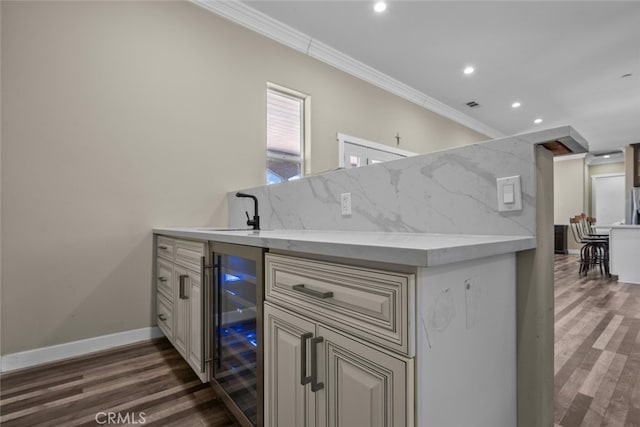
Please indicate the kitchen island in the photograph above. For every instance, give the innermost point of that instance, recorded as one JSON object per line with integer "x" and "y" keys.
{"x": 409, "y": 327}
{"x": 412, "y": 299}
{"x": 624, "y": 247}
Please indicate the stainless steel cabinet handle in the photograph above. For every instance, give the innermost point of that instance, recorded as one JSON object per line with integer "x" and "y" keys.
{"x": 162, "y": 279}
{"x": 304, "y": 379}
{"x": 311, "y": 292}
{"x": 183, "y": 295}
{"x": 315, "y": 385}
{"x": 162, "y": 317}
{"x": 163, "y": 247}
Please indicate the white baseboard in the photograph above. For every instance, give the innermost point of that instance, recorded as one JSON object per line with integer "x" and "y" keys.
{"x": 573, "y": 251}
{"x": 54, "y": 353}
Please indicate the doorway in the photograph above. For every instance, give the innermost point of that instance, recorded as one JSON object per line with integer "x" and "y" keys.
{"x": 608, "y": 198}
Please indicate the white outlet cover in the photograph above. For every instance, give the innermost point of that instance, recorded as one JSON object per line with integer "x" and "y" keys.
{"x": 509, "y": 194}
{"x": 345, "y": 204}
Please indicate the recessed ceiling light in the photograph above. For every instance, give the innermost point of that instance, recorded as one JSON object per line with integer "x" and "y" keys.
{"x": 606, "y": 156}
{"x": 380, "y": 6}
{"x": 515, "y": 105}
{"x": 537, "y": 121}
{"x": 469, "y": 70}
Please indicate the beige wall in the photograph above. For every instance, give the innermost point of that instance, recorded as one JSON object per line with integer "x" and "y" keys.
{"x": 121, "y": 116}
{"x": 568, "y": 192}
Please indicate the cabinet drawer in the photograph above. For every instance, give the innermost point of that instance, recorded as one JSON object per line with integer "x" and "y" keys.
{"x": 164, "y": 278}
{"x": 165, "y": 247}
{"x": 165, "y": 315}
{"x": 371, "y": 304}
{"x": 189, "y": 254}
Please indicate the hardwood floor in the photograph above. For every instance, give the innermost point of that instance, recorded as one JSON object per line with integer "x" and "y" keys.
{"x": 145, "y": 384}
{"x": 597, "y": 371}
{"x": 597, "y": 349}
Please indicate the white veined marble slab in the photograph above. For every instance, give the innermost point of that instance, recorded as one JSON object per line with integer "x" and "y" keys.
{"x": 451, "y": 191}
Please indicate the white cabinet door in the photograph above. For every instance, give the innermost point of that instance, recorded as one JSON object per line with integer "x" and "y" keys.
{"x": 181, "y": 300}
{"x": 180, "y": 310}
{"x": 287, "y": 403}
{"x": 196, "y": 337}
{"x": 363, "y": 386}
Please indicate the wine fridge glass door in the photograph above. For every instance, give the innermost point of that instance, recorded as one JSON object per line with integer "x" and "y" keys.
{"x": 235, "y": 320}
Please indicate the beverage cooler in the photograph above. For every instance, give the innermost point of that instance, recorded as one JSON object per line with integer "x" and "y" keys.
{"x": 237, "y": 329}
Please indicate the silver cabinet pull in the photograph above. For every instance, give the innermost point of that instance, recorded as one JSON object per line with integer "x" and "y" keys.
{"x": 304, "y": 379}
{"x": 182, "y": 293}
{"x": 162, "y": 279}
{"x": 163, "y": 247}
{"x": 311, "y": 292}
{"x": 162, "y": 317}
{"x": 315, "y": 385}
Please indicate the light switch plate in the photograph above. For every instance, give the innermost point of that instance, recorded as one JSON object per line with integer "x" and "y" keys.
{"x": 345, "y": 203}
{"x": 509, "y": 194}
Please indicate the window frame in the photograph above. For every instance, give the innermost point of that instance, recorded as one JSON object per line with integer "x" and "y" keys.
{"x": 305, "y": 134}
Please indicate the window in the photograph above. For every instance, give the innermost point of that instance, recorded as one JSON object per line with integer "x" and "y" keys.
{"x": 285, "y": 134}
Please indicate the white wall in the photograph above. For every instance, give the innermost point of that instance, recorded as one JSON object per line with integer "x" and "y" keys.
{"x": 121, "y": 116}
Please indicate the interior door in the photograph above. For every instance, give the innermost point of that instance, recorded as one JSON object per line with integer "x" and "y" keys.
{"x": 608, "y": 194}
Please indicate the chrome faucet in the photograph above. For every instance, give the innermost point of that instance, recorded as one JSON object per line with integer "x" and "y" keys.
{"x": 255, "y": 222}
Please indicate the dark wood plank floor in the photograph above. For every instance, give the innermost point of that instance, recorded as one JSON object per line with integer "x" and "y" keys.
{"x": 146, "y": 381}
{"x": 597, "y": 348}
{"x": 597, "y": 371}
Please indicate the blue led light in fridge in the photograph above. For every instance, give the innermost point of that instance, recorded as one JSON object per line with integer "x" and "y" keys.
{"x": 231, "y": 278}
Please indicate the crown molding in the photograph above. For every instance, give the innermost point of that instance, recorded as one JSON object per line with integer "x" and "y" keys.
{"x": 241, "y": 14}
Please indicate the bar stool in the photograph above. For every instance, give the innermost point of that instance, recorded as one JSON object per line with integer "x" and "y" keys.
{"x": 595, "y": 248}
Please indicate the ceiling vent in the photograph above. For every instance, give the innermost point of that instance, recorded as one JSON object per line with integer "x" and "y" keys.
{"x": 472, "y": 104}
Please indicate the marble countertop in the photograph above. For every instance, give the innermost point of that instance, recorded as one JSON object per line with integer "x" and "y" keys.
{"x": 626, "y": 226}
{"x": 416, "y": 249}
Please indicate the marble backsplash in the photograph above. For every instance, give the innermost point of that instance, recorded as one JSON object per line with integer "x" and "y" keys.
{"x": 450, "y": 191}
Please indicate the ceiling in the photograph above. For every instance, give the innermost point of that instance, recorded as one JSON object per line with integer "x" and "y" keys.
{"x": 563, "y": 61}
